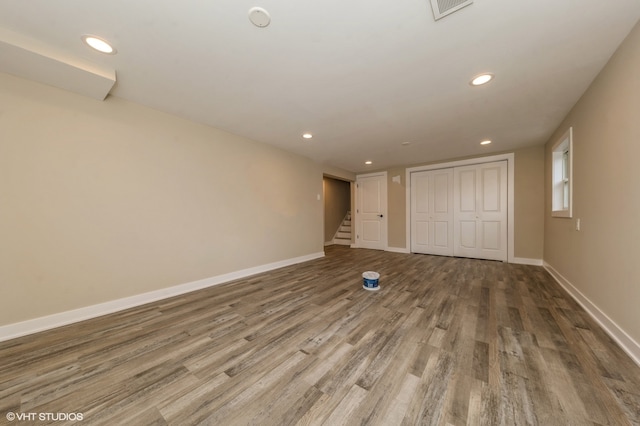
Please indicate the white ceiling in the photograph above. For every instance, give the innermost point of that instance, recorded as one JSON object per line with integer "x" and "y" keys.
{"x": 362, "y": 76}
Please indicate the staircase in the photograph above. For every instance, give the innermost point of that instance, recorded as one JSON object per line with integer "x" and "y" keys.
{"x": 343, "y": 235}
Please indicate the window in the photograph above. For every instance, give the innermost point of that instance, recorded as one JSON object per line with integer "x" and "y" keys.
{"x": 561, "y": 179}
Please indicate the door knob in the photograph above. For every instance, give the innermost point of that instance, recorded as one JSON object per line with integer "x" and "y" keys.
{"x": 380, "y": 215}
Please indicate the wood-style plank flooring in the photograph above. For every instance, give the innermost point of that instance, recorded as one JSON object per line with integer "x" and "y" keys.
{"x": 444, "y": 341}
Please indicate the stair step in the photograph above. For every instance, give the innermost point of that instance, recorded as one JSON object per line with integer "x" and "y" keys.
{"x": 343, "y": 236}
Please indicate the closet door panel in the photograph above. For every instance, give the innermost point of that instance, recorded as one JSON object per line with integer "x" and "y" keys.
{"x": 480, "y": 211}
{"x": 432, "y": 212}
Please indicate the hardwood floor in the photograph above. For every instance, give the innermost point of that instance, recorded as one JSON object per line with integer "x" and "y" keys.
{"x": 444, "y": 341}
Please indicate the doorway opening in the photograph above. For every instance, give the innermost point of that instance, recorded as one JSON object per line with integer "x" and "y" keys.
{"x": 337, "y": 195}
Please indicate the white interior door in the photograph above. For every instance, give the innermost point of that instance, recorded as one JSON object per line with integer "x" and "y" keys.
{"x": 480, "y": 211}
{"x": 432, "y": 212}
{"x": 371, "y": 211}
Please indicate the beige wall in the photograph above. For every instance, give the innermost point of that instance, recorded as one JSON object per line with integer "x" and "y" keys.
{"x": 337, "y": 173}
{"x": 603, "y": 259}
{"x": 528, "y": 203}
{"x": 337, "y": 202}
{"x": 104, "y": 200}
{"x": 396, "y": 208}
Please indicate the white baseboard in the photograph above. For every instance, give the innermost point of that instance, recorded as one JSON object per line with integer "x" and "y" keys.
{"x": 328, "y": 243}
{"x": 526, "y": 261}
{"x": 48, "y": 322}
{"x": 518, "y": 260}
{"x": 626, "y": 342}
{"x": 398, "y": 250}
{"x": 391, "y": 249}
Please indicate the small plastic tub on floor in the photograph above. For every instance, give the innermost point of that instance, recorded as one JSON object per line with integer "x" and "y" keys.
{"x": 370, "y": 280}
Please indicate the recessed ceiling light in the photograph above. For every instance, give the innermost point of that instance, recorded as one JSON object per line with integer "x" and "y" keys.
{"x": 487, "y": 142}
{"x": 368, "y": 162}
{"x": 99, "y": 44}
{"x": 481, "y": 79}
{"x": 307, "y": 135}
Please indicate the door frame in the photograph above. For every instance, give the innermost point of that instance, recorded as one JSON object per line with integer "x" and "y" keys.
{"x": 510, "y": 158}
{"x": 385, "y": 208}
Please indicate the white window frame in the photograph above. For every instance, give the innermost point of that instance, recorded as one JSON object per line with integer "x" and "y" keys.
{"x": 562, "y": 176}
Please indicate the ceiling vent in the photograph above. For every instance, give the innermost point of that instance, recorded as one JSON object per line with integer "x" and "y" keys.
{"x": 442, "y": 8}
